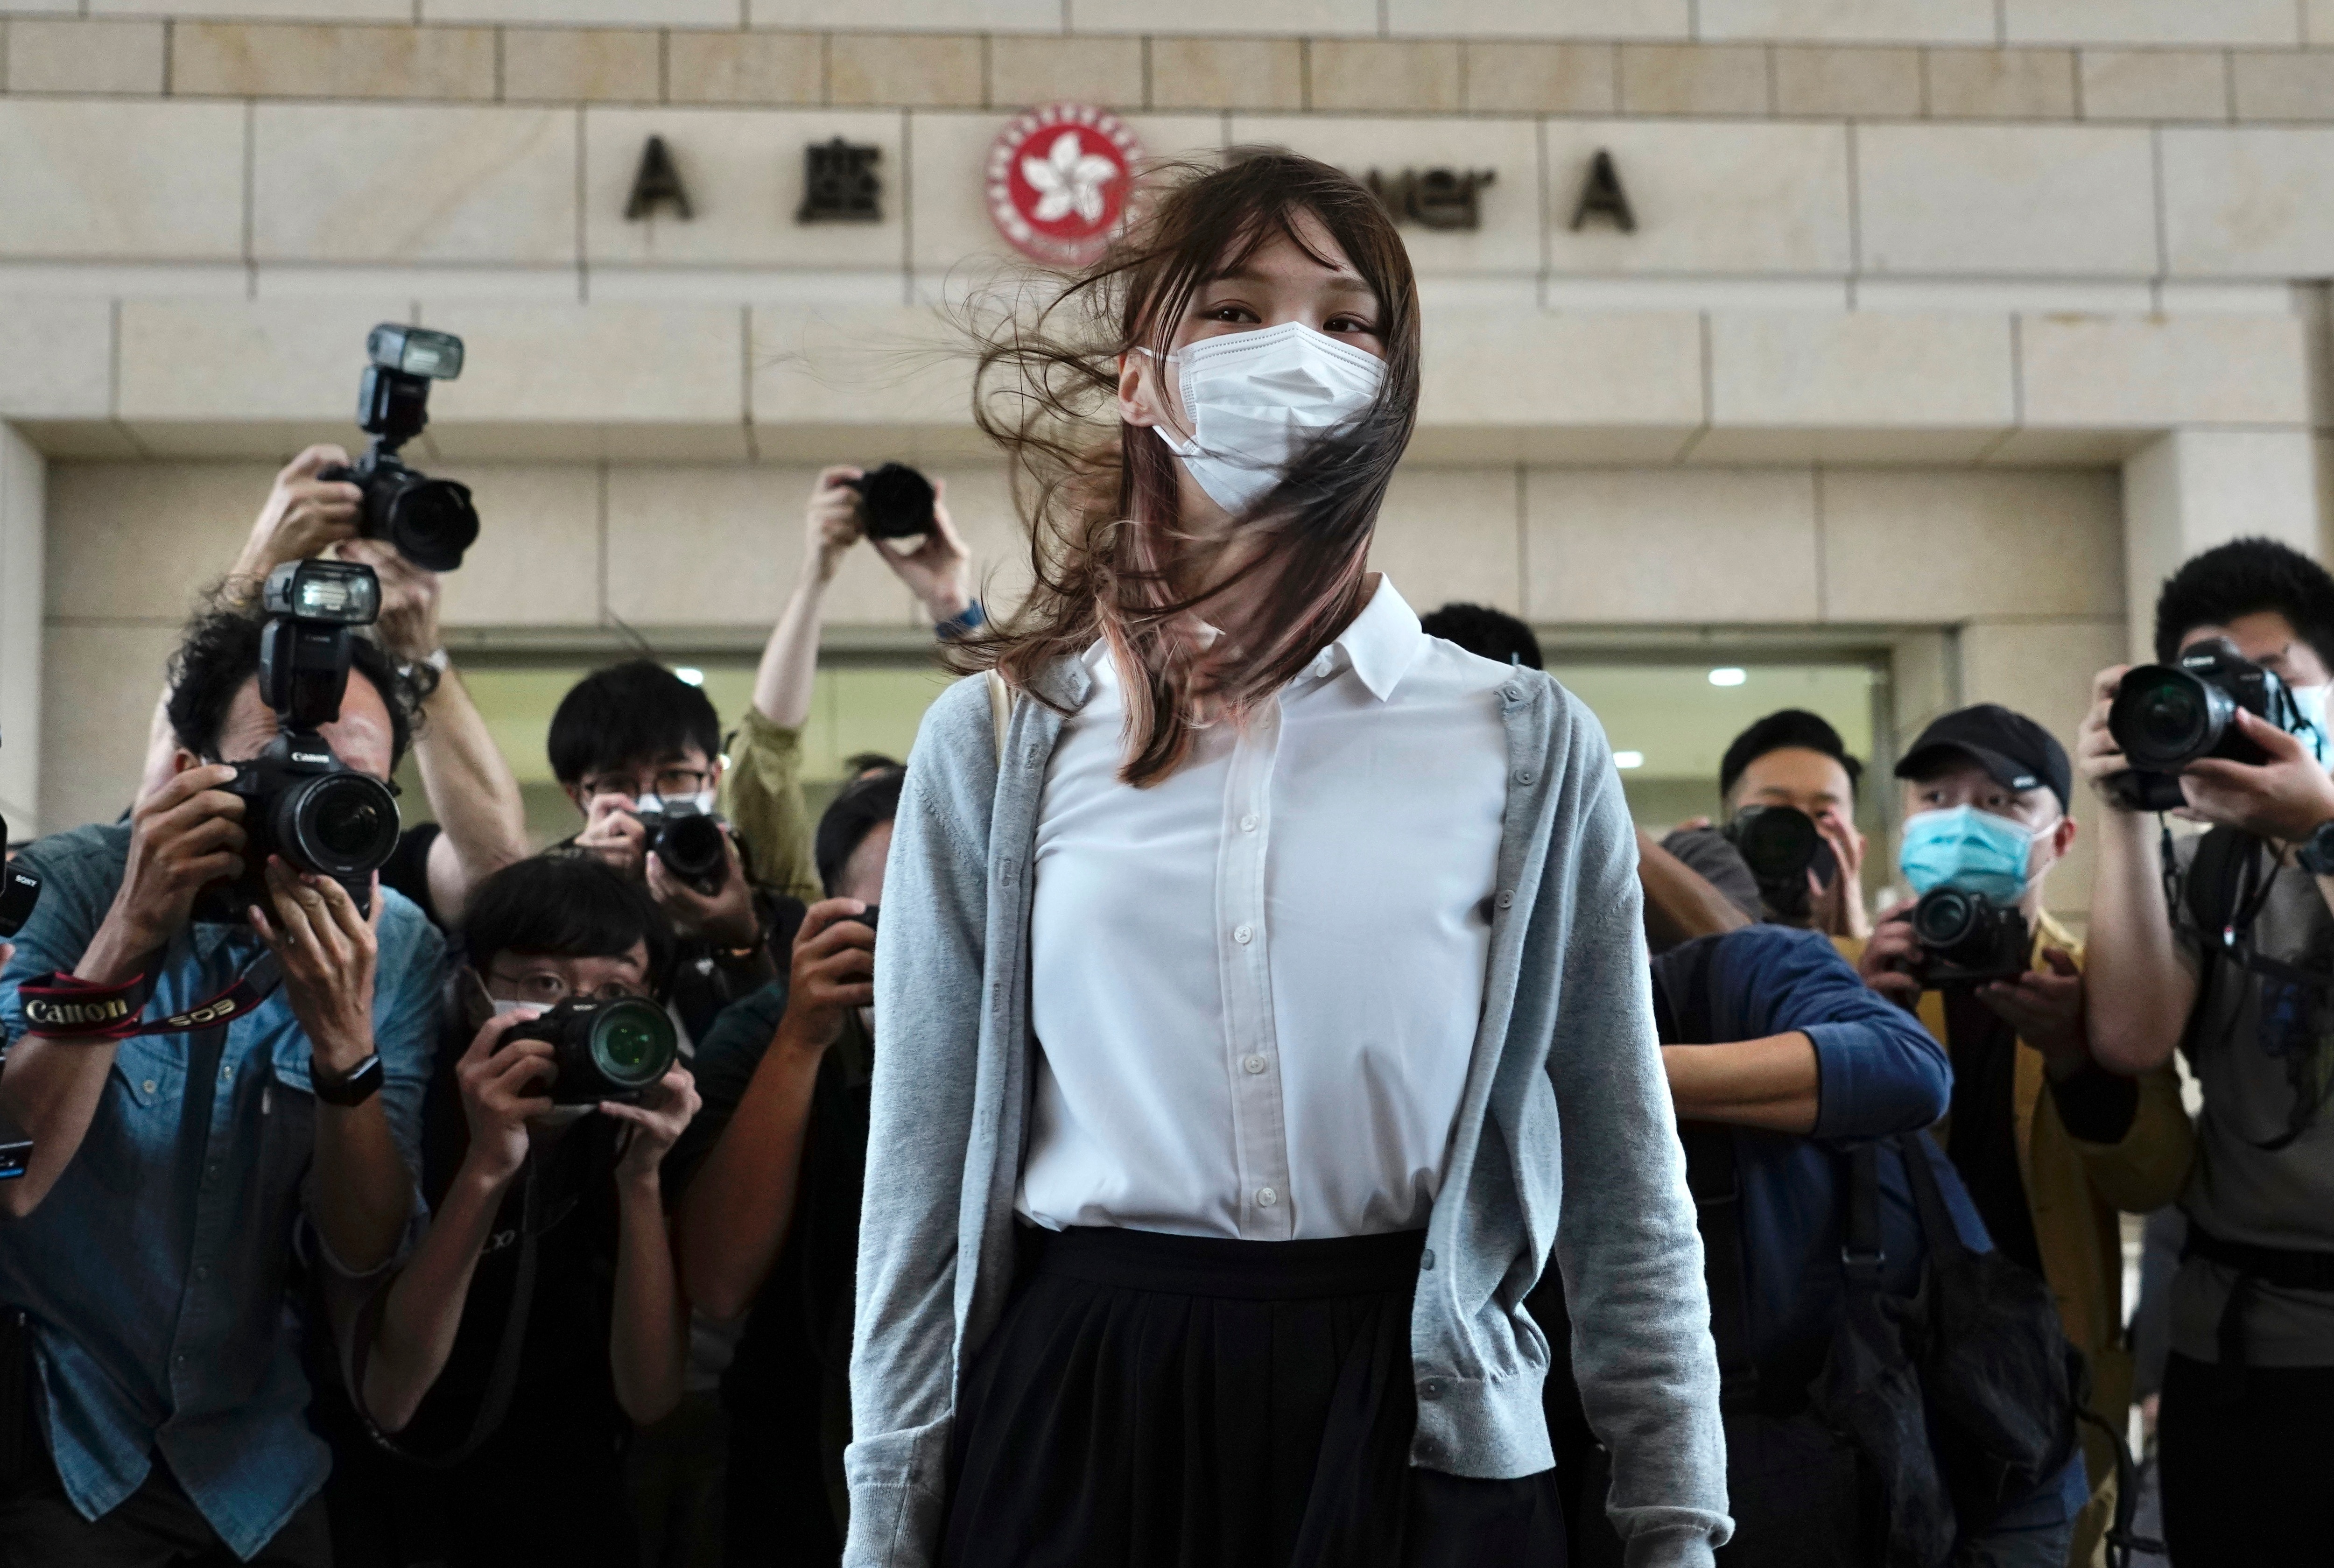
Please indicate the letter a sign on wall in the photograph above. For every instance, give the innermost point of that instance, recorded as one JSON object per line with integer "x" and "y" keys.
{"x": 1058, "y": 179}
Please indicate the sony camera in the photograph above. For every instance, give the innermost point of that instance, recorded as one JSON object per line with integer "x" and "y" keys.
{"x": 300, "y": 800}
{"x": 2166, "y": 716}
{"x": 430, "y": 522}
{"x": 1781, "y": 846}
{"x": 895, "y": 502}
{"x": 1967, "y": 940}
{"x": 603, "y": 1050}
{"x": 692, "y": 842}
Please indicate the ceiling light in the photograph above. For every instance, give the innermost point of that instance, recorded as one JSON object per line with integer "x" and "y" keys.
{"x": 1628, "y": 759}
{"x": 690, "y": 674}
{"x": 1729, "y": 675}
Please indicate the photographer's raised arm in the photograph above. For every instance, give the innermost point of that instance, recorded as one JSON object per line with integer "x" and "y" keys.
{"x": 1680, "y": 904}
{"x": 187, "y": 834}
{"x": 304, "y": 516}
{"x": 2139, "y": 980}
{"x": 472, "y": 792}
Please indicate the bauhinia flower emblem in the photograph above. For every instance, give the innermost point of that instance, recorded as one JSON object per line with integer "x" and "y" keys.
{"x": 1068, "y": 179}
{"x": 1058, "y": 180}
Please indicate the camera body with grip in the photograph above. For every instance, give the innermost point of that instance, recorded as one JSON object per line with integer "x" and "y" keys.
{"x": 2166, "y": 718}
{"x": 430, "y": 522}
{"x": 1966, "y": 940}
{"x": 603, "y": 1049}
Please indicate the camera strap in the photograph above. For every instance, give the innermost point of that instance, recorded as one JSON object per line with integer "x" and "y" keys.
{"x": 61, "y": 1008}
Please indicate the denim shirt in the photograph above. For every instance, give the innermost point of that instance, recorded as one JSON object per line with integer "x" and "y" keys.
{"x": 155, "y": 1273}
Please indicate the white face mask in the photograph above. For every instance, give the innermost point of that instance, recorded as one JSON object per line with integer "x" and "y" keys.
{"x": 2311, "y": 702}
{"x": 1254, "y": 400}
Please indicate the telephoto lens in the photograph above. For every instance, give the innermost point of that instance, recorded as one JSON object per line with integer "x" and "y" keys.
{"x": 317, "y": 813}
{"x": 2164, "y": 718}
{"x": 895, "y": 502}
{"x": 611, "y": 1050}
{"x": 1967, "y": 940}
{"x": 692, "y": 843}
{"x": 1777, "y": 842}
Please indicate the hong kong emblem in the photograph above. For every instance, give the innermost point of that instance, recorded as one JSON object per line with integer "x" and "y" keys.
{"x": 1058, "y": 180}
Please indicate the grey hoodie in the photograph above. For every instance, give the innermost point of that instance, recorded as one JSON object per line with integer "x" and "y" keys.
{"x": 1564, "y": 1098}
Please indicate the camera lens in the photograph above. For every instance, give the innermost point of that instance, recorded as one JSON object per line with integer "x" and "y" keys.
{"x": 896, "y": 502}
{"x": 343, "y": 825}
{"x": 693, "y": 848}
{"x": 1778, "y": 843}
{"x": 1944, "y": 919}
{"x": 633, "y": 1045}
{"x": 2166, "y": 718}
{"x": 431, "y": 522}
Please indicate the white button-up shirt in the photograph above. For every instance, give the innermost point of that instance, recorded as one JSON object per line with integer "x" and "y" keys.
{"x": 1255, "y": 984}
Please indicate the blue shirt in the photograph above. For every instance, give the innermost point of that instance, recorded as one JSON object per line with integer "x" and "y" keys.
{"x": 155, "y": 1273}
{"x": 1878, "y": 1073}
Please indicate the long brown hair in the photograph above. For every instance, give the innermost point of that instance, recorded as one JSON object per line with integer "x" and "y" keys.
{"x": 1110, "y": 556}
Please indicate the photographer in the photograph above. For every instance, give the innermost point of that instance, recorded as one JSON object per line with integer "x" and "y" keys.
{"x": 770, "y": 1177}
{"x": 764, "y": 791}
{"x": 149, "y": 1247}
{"x": 2232, "y": 970}
{"x": 1679, "y": 904}
{"x": 604, "y": 1335}
{"x": 1792, "y": 760}
{"x": 481, "y": 823}
{"x": 1782, "y": 1065}
{"x": 1985, "y": 801}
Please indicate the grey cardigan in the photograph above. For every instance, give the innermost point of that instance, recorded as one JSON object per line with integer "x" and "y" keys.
{"x": 1564, "y": 1097}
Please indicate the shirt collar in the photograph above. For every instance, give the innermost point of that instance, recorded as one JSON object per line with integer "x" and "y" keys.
{"x": 1383, "y": 641}
{"x": 1381, "y": 644}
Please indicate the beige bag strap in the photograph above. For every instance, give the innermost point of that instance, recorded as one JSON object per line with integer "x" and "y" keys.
{"x": 1000, "y": 710}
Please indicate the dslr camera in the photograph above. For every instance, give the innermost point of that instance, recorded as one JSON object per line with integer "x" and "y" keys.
{"x": 895, "y": 502}
{"x": 2167, "y": 716}
{"x": 1781, "y": 846}
{"x": 1967, "y": 940}
{"x": 603, "y": 1050}
{"x": 300, "y": 800}
{"x": 690, "y": 841}
{"x": 430, "y": 522}
{"x": 20, "y": 890}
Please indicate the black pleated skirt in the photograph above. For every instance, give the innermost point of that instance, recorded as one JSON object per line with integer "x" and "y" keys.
{"x": 1169, "y": 1401}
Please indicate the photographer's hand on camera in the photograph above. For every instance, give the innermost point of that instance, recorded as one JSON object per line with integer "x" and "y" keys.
{"x": 833, "y": 974}
{"x": 2098, "y": 758}
{"x": 304, "y": 516}
{"x": 184, "y": 836}
{"x": 1891, "y": 956}
{"x": 2284, "y": 799}
{"x": 2047, "y": 1011}
{"x": 937, "y": 571}
{"x": 832, "y": 522}
{"x": 410, "y": 594}
{"x": 327, "y": 951}
{"x": 504, "y": 1087}
{"x": 661, "y": 1116}
{"x": 727, "y": 918}
{"x": 612, "y": 830}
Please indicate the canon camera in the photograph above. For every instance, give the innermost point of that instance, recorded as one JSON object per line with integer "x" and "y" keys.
{"x": 430, "y": 522}
{"x": 301, "y": 801}
{"x": 603, "y": 1050}
{"x": 1967, "y": 940}
{"x": 2167, "y": 716}
{"x": 1781, "y": 847}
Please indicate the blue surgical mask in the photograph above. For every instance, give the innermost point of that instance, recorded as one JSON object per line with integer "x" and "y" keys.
{"x": 1965, "y": 848}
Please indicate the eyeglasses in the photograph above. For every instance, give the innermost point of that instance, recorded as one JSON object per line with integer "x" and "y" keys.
{"x": 665, "y": 783}
{"x": 550, "y": 990}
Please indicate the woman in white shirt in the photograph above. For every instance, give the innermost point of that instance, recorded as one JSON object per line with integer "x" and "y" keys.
{"x": 1218, "y": 990}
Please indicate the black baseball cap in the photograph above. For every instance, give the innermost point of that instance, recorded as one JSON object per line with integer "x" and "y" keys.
{"x": 2015, "y": 752}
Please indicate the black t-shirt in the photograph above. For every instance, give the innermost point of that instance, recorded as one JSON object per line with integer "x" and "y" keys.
{"x": 1983, "y": 1143}
{"x": 788, "y": 1389}
{"x": 548, "y": 1484}
{"x": 408, "y": 870}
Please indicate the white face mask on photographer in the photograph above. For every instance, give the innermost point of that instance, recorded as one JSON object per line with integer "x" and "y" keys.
{"x": 2310, "y": 701}
{"x": 1254, "y": 400}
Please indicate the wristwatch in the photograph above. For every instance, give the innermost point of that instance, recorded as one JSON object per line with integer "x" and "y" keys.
{"x": 362, "y": 1081}
{"x": 2316, "y": 853}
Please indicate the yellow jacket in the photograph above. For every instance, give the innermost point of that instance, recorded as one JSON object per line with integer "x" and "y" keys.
{"x": 2074, "y": 1192}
